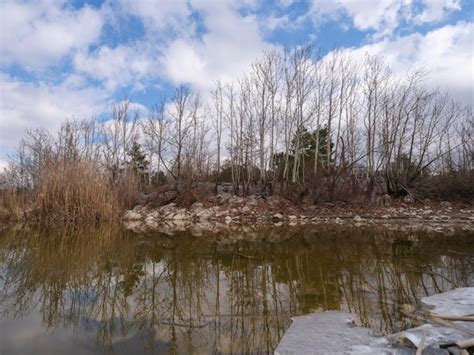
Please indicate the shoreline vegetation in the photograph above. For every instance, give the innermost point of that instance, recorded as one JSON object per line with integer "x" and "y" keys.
{"x": 297, "y": 135}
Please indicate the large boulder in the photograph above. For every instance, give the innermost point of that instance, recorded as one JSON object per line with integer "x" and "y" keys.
{"x": 197, "y": 206}
{"x": 204, "y": 214}
{"x": 132, "y": 216}
{"x": 181, "y": 215}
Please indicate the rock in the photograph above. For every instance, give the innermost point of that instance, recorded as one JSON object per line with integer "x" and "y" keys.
{"x": 228, "y": 219}
{"x": 292, "y": 217}
{"x": 445, "y": 204}
{"x": 204, "y": 214}
{"x": 457, "y": 302}
{"x": 435, "y": 334}
{"x": 246, "y": 209}
{"x": 168, "y": 207}
{"x": 252, "y": 201}
{"x": 335, "y": 335}
{"x": 357, "y": 219}
{"x": 132, "y": 216}
{"x": 138, "y": 208}
{"x": 386, "y": 200}
{"x": 136, "y": 226}
{"x": 180, "y": 215}
{"x": 277, "y": 216}
{"x": 197, "y": 206}
{"x": 223, "y": 213}
{"x": 151, "y": 221}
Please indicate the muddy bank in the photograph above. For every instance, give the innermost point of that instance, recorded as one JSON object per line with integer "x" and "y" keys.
{"x": 227, "y": 211}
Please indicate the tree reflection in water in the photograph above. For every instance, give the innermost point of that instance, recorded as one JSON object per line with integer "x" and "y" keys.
{"x": 182, "y": 294}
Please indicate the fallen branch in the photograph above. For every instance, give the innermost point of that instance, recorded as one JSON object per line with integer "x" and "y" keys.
{"x": 421, "y": 346}
{"x": 464, "y": 344}
{"x": 453, "y": 325}
{"x": 467, "y": 318}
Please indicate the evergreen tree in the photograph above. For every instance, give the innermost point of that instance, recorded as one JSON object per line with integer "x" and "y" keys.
{"x": 138, "y": 162}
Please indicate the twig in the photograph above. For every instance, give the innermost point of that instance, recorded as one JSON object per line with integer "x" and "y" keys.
{"x": 453, "y": 325}
{"x": 464, "y": 344}
{"x": 421, "y": 346}
{"x": 246, "y": 256}
{"x": 186, "y": 325}
{"x": 467, "y": 318}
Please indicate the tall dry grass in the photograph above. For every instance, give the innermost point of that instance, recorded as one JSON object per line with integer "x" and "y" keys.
{"x": 63, "y": 178}
{"x": 74, "y": 193}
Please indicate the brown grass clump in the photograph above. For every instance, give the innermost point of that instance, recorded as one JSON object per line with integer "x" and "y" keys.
{"x": 74, "y": 193}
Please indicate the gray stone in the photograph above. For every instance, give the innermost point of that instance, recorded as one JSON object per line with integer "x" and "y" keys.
{"x": 331, "y": 333}
{"x": 197, "y": 206}
{"x": 277, "y": 216}
{"x": 445, "y": 204}
{"x": 181, "y": 215}
{"x": 435, "y": 335}
{"x": 386, "y": 200}
{"x": 204, "y": 214}
{"x": 246, "y": 209}
{"x": 132, "y": 216}
{"x": 458, "y": 302}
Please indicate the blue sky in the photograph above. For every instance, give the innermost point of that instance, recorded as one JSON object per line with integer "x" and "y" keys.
{"x": 62, "y": 59}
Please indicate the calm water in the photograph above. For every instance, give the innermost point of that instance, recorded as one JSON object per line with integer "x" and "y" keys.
{"x": 105, "y": 290}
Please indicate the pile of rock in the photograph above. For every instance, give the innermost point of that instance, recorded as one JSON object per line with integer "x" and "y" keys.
{"x": 226, "y": 209}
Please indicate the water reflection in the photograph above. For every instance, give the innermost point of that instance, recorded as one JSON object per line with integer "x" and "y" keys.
{"x": 103, "y": 289}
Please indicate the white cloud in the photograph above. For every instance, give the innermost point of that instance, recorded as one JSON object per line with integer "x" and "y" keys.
{"x": 271, "y": 23}
{"x": 286, "y": 3}
{"x": 28, "y": 105}
{"x": 436, "y": 10}
{"x": 382, "y": 16}
{"x": 35, "y": 34}
{"x": 445, "y": 52}
{"x": 158, "y": 15}
{"x": 227, "y": 48}
{"x": 118, "y": 67}
{"x": 174, "y": 48}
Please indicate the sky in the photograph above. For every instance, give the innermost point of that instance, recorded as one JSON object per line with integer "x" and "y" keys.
{"x": 73, "y": 59}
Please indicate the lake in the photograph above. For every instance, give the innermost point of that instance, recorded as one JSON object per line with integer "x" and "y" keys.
{"x": 85, "y": 290}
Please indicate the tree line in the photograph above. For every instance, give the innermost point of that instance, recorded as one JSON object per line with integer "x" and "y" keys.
{"x": 296, "y": 123}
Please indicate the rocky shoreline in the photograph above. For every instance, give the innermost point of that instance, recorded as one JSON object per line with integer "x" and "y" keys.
{"x": 226, "y": 211}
